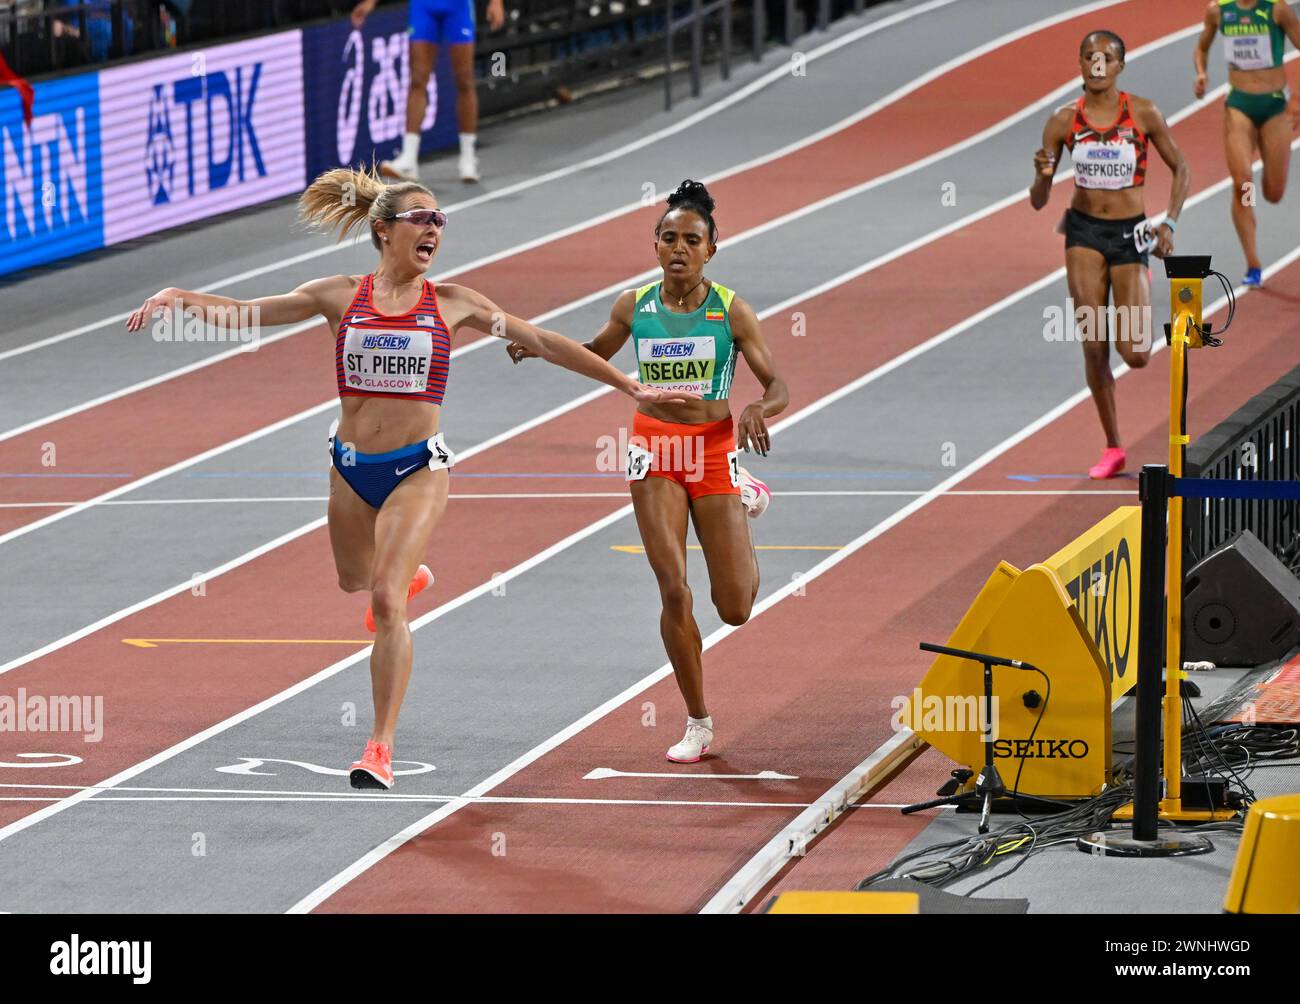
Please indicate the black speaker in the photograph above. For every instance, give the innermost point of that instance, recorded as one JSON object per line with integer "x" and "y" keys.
{"x": 1241, "y": 606}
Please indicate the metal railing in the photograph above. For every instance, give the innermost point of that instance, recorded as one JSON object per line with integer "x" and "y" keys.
{"x": 695, "y": 22}
{"x": 696, "y": 19}
{"x": 553, "y": 46}
{"x": 1258, "y": 442}
{"x": 41, "y": 36}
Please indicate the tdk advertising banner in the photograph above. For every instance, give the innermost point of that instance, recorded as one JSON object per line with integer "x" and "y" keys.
{"x": 357, "y": 87}
{"x": 130, "y": 151}
{"x": 51, "y": 178}
{"x": 201, "y": 133}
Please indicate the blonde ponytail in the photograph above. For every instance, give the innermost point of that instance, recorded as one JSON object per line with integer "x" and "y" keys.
{"x": 345, "y": 199}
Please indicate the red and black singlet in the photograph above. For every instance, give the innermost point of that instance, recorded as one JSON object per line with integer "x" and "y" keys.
{"x": 1109, "y": 159}
{"x": 404, "y": 356}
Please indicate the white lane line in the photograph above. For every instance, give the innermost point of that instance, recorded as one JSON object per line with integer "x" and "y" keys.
{"x": 397, "y": 840}
{"x": 794, "y": 838}
{"x": 602, "y": 773}
{"x": 829, "y": 284}
{"x": 591, "y": 395}
{"x": 757, "y": 231}
{"x": 462, "y": 350}
{"x": 574, "y": 403}
{"x": 617, "y": 802}
{"x": 533, "y": 496}
{"x": 154, "y": 381}
{"x": 258, "y": 551}
{"x": 180, "y": 465}
{"x": 400, "y": 838}
{"x": 974, "y": 492}
{"x": 392, "y": 795}
{"x": 396, "y": 797}
{"x": 772, "y": 76}
{"x": 194, "y": 740}
{"x": 864, "y": 770}
{"x": 517, "y": 765}
{"x": 763, "y": 866}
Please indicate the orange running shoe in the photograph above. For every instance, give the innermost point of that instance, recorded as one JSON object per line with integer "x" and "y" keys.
{"x": 422, "y": 581}
{"x": 375, "y": 768}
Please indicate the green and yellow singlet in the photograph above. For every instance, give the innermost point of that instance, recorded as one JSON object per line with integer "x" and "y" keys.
{"x": 692, "y": 352}
{"x": 1252, "y": 39}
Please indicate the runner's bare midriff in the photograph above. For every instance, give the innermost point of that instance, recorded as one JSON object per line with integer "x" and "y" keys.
{"x": 376, "y": 425}
{"x": 1121, "y": 205}
{"x": 1258, "y": 81}
{"x": 688, "y": 412}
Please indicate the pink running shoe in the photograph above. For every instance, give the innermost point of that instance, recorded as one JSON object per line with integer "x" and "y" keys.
{"x": 1110, "y": 464}
{"x": 755, "y": 496}
{"x": 375, "y": 768}
{"x": 422, "y": 581}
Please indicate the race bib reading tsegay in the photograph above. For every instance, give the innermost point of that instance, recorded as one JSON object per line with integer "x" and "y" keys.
{"x": 387, "y": 362}
{"x": 1248, "y": 52}
{"x": 677, "y": 363}
{"x": 1107, "y": 166}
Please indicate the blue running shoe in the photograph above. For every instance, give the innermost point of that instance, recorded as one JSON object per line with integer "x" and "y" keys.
{"x": 1253, "y": 278}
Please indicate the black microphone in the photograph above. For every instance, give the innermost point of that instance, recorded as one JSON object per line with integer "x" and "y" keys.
{"x": 961, "y": 653}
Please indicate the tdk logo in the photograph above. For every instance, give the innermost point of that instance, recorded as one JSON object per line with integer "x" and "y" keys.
{"x": 210, "y": 113}
{"x": 1105, "y": 153}
{"x": 160, "y": 149}
{"x": 671, "y": 350}
{"x": 385, "y": 341}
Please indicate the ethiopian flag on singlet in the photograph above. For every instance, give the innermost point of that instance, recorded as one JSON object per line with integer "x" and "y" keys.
{"x": 692, "y": 352}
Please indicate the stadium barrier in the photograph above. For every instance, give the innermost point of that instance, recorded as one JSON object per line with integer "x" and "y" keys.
{"x": 1259, "y": 441}
{"x": 122, "y": 152}
{"x": 1074, "y": 614}
{"x": 112, "y": 154}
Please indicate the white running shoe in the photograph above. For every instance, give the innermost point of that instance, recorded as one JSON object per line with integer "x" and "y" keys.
{"x": 468, "y": 166}
{"x": 754, "y": 495}
{"x": 399, "y": 170}
{"x": 693, "y": 745}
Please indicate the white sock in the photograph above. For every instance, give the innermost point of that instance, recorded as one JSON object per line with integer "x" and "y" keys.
{"x": 411, "y": 147}
{"x": 467, "y": 140}
{"x": 704, "y": 722}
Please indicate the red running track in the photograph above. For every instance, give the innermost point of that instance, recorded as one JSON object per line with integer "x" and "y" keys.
{"x": 810, "y": 704}
{"x": 152, "y": 429}
{"x": 214, "y": 684}
{"x": 197, "y": 700}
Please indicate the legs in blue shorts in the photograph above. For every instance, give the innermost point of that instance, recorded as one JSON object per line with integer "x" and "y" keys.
{"x": 442, "y": 22}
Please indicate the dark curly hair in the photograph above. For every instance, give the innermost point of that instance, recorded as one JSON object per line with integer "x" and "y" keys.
{"x": 693, "y": 196}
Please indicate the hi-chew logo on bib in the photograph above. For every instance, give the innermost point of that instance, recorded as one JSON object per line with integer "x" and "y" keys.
{"x": 387, "y": 362}
{"x": 1104, "y": 165}
{"x": 678, "y": 363}
{"x": 386, "y": 342}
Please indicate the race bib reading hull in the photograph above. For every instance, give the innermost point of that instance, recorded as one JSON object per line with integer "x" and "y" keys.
{"x": 677, "y": 363}
{"x": 1248, "y": 52}
{"x": 1104, "y": 166}
{"x": 387, "y": 362}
